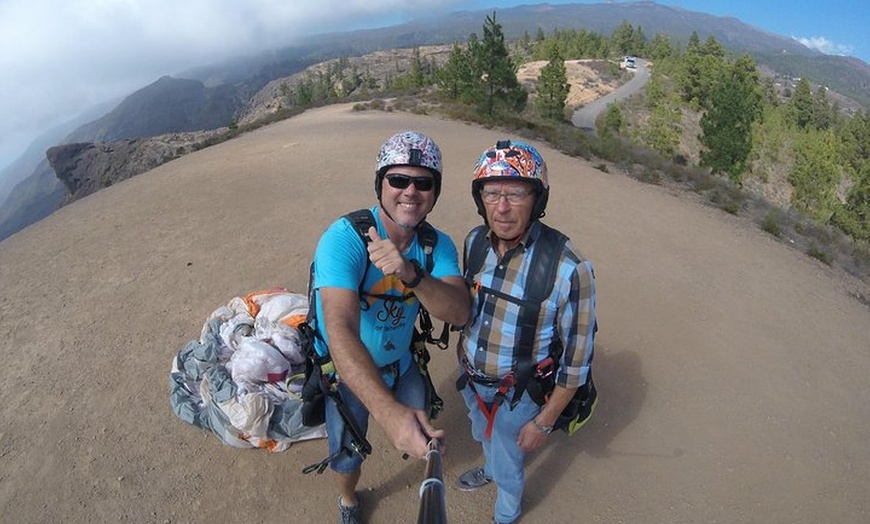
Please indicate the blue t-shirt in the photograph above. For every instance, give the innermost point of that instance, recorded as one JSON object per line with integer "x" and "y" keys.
{"x": 386, "y": 326}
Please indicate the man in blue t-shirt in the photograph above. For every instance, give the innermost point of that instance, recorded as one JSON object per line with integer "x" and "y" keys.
{"x": 367, "y": 298}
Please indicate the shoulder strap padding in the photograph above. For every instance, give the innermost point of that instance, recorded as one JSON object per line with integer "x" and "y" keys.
{"x": 539, "y": 285}
{"x": 475, "y": 253}
{"x": 545, "y": 264}
{"x": 428, "y": 237}
{"x": 362, "y": 220}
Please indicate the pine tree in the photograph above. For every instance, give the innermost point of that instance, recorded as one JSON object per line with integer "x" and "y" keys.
{"x": 553, "y": 88}
{"x": 823, "y": 113}
{"x": 613, "y": 122}
{"x": 801, "y": 104}
{"x": 638, "y": 42}
{"x": 734, "y": 104}
{"x": 623, "y": 38}
{"x": 853, "y": 139}
{"x": 526, "y": 42}
{"x": 702, "y": 67}
{"x": 691, "y": 71}
{"x": 498, "y": 74}
{"x": 660, "y": 48}
{"x": 662, "y": 130}
{"x": 815, "y": 175}
{"x": 853, "y": 217}
{"x": 456, "y": 77}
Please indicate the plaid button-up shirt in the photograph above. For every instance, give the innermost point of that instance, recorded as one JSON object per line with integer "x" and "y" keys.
{"x": 489, "y": 340}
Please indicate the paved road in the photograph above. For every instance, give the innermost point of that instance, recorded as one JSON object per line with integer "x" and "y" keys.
{"x": 585, "y": 117}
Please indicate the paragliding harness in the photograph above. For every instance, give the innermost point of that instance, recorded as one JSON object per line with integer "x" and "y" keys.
{"x": 539, "y": 379}
{"x": 320, "y": 380}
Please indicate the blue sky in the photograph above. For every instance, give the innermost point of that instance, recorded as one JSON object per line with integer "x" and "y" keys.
{"x": 832, "y": 26}
{"x": 60, "y": 58}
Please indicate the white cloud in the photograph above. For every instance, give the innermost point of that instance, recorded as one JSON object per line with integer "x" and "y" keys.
{"x": 58, "y": 58}
{"x": 820, "y": 43}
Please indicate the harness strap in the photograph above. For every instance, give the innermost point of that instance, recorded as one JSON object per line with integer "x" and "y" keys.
{"x": 524, "y": 302}
{"x": 358, "y": 442}
{"x": 422, "y": 357}
{"x": 504, "y": 385}
{"x": 426, "y": 329}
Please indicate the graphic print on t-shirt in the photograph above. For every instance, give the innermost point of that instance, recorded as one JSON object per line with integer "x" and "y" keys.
{"x": 390, "y": 314}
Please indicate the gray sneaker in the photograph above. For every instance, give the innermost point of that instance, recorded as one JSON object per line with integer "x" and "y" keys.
{"x": 472, "y": 479}
{"x": 349, "y": 514}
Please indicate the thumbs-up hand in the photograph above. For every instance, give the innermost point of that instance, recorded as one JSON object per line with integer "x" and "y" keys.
{"x": 373, "y": 234}
{"x": 386, "y": 256}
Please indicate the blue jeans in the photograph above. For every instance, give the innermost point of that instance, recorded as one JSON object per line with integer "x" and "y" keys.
{"x": 503, "y": 459}
{"x": 409, "y": 389}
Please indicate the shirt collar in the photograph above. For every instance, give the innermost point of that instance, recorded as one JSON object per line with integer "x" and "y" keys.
{"x": 527, "y": 240}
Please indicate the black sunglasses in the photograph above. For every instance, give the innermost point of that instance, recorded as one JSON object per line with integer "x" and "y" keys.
{"x": 421, "y": 183}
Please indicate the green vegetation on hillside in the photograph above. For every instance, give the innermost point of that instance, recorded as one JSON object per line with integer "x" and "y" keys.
{"x": 707, "y": 120}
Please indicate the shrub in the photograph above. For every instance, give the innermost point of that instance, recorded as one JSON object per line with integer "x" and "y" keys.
{"x": 771, "y": 225}
{"x": 703, "y": 184}
{"x": 731, "y": 206}
{"x": 819, "y": 254}
{"x": 650, "y": 176}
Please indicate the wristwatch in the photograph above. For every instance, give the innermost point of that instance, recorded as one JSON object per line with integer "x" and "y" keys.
{"x": 419, "y": 273}
{"x": 542, "y": 428}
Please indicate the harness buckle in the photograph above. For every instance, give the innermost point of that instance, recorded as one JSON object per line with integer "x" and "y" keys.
{"x": 545, "y": 368}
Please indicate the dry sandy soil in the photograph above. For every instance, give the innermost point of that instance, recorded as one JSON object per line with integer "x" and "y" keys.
{"x": 586, "y": 84}
{"x": 732, "y": 369}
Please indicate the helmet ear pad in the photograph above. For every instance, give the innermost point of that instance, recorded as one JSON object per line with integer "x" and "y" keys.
{"x": 540, "y": 207}
{"x": 476, "y": 187}
{"x": 379, "y": 183}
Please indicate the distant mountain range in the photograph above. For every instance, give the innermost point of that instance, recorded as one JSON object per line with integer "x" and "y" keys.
{"x": 169, "y": 105}
{"x": 846, "y": 75}
{"x": 214, "y": 96}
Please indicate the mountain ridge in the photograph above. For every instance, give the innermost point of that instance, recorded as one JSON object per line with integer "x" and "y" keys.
{"x": 218, "y": 95}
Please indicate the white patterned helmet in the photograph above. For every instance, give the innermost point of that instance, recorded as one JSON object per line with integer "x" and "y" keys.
{"x": 409, "y": 148}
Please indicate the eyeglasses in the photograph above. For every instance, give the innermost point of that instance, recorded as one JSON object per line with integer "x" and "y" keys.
{"x": 421, "y": 183}
{"x": 513, "y": 197}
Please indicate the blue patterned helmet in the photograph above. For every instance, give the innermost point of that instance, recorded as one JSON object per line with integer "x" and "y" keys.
{"x": 512, "y": 160}
{"x": 409, "y": 148}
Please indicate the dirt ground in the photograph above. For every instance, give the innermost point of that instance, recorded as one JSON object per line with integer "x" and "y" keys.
{"x": 732, "y": 370}
{"x": 586, "y": 84}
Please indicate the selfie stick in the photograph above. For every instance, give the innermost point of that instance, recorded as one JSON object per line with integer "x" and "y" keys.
{"x": 432, "y": 506}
